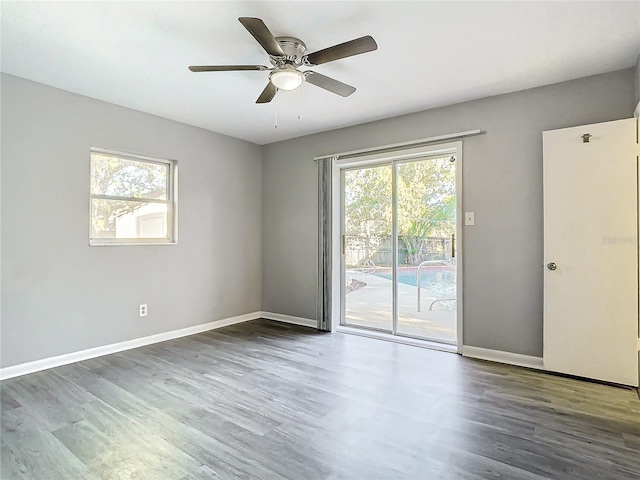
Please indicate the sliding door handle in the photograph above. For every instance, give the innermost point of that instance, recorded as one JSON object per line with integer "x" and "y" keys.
{"x": 453, "y": 245}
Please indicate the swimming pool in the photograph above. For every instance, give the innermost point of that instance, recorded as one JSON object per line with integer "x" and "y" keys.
{"x": 439, "y": 282}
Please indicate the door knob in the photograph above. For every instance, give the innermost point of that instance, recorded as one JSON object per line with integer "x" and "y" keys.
{"x": 552, "y": 266}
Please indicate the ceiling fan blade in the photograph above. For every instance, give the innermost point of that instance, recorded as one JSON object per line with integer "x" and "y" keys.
{"x": 261, "y": 33}
{"x": 329, "y": 83}
{"x": 343, "y": 50}
{"x": 226, "y": 68}
{"x": 268, "y": 93}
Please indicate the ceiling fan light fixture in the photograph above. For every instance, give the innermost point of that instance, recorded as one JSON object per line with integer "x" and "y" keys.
{"x": 287, "y": 78}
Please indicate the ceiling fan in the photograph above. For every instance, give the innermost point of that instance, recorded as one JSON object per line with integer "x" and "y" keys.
{"x": 286, "y": 54}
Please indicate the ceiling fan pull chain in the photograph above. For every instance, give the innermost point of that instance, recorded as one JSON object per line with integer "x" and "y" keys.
{"x": 276, "y": 126}
{"x": 298, "y": 89}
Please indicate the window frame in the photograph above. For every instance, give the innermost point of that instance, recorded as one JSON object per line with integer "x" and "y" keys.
{"x": 171, "y": 201}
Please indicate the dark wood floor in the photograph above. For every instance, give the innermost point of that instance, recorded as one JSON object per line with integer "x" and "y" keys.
{"x": 268, "y": 400}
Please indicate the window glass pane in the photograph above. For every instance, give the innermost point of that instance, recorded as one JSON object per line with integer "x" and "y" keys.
{"x": 128, "y": 178}
{"x": 119, "y": 219}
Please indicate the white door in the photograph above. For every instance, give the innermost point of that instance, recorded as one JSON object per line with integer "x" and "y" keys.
{"x": 590, "y": 237}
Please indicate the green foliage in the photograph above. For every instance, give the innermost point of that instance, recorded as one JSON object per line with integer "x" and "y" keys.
{"x": 426, "y": 203}
{"x": 119, "y": 177}
{"x": 368, "y": 201}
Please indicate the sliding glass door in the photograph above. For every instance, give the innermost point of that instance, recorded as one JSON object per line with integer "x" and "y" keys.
{"x": 399, "y": 257}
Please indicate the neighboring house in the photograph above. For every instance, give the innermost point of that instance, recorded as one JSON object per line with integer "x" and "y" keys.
{"x": 147, "y": 221}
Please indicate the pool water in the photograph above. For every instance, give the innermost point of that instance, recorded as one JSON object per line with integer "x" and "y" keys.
{"x": 439, "y": 283}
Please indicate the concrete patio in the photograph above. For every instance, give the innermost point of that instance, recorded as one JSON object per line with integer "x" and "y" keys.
{"x": 370, "y": 306}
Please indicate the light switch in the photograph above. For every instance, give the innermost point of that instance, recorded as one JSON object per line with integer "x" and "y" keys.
{"x": 469, "y": 218}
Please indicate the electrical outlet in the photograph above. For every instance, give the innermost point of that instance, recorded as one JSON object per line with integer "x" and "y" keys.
{"x": 143, "y": 309}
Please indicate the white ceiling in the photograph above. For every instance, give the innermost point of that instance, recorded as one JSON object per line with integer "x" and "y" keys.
{"x": 430, "y": 54}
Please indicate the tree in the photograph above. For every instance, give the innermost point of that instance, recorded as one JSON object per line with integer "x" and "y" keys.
{"x": 367, "y": 209}
{"x": 368, "y": 201}
{"x": 426, "y": 204}
{"x": 118, "y": 177}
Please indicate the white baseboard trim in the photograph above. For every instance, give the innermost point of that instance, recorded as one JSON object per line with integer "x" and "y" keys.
{"x": 503, "y": 357}
{"x": 279, "y": 317}
{"x": 67, "y": 358}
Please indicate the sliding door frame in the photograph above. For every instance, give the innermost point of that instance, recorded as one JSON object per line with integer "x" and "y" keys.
{"x": 394, "y": 158}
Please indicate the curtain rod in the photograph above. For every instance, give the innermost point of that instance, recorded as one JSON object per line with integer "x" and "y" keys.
{"x": 394, "y": 146}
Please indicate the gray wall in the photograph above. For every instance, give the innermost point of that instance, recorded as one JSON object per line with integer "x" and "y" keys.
{"x": 58, "y": 294}
{"x": 502, "y": 184}
{"x": 61, "y": 296}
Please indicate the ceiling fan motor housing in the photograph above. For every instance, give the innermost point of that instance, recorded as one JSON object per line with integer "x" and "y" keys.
{"x": 293, "y": 49}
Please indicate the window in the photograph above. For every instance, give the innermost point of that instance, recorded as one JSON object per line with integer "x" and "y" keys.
{"x": 133, "y": 199}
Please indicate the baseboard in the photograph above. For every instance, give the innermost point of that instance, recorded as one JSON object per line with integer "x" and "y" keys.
{"x": 279, "y": 317}
{"x": 503, "y": 357}
{"x": 67, "y": 358}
